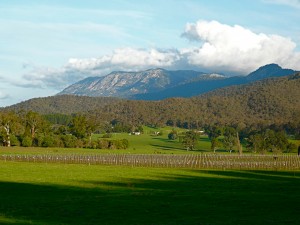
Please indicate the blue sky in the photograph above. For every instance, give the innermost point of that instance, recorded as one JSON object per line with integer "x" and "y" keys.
{"x": 48, "y": 45}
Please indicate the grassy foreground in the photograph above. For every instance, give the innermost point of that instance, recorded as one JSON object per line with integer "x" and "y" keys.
{"x": 80, "y": 194}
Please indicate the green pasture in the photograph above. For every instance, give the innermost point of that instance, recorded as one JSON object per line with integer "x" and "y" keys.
{"x": 52, "y": 194}
{"x": 146, "y": 143}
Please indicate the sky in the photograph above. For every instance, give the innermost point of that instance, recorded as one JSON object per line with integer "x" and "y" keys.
{"x": 46, "y": 45}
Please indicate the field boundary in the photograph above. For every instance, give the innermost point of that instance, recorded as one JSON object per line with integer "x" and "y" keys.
{"x": 200, "y": 161}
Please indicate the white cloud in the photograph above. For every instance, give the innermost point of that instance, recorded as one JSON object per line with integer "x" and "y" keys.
{"x": 235, "y": 48}
{"x": 222, "y": 48}
{"x": 128, "y": 59}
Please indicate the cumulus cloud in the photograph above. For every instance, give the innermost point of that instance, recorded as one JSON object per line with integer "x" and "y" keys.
{"x": 235, "y": 48}
{"x": 221, "y": 48}
{"x": 128, "y": 59}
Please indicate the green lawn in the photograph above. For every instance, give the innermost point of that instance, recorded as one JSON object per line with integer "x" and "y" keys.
{"x": 80, "y": 194}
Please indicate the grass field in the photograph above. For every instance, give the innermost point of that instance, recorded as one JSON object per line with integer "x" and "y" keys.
{"x": 53, "y": 193}
{"x": 80, "y": 194}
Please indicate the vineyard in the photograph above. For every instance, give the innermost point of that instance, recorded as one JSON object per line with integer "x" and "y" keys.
{"x": 200, "y": 161}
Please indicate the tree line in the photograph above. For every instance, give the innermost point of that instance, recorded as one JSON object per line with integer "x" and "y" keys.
{"x": 233, "y": 138}
{"x": 33, "y": 129}
{"x": 57, "y": 130}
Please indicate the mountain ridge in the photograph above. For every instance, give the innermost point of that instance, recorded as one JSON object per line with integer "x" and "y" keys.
{"x": 126, "y": 84}
{"x": 158, "y": 84}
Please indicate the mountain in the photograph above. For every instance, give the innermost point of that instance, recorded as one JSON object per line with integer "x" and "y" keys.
{"x": 157, "y": 84}
{"x": 202, "y": 86}
{"x": 191, "y": 88}
{"x": 126, "y": 84}
{"x": 271, "y": 70}
{"x": 269, "y": 101}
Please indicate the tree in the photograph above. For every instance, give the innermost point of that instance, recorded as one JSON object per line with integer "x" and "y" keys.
{"x": 82, "y": 127}
{"x": 173, "y": 135}
{"x": 78, "y": 126}
{"x": 256, "y": 143}
{"x": 277, "y": 141}
{"x": 268, "y": 140}
{"x": 35, "y": 123}
{"x": 215, "y": 144}
{"x": 8, "y": 122}
{"x": 230, "y": 138}
{"x": 239, "y": 146}
{"x": 190, "y": 140}
{"x": 213, "y": 133}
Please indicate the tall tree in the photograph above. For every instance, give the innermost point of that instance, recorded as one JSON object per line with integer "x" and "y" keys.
{"x": 8, "y": 121}
{"x": 230, "y": 138}
{"x": 190, "y": 140}
{"x": 82, "y": 127}
{"x": 238, "y": 142}
{"x": 35, "y": 123}
{"x": 213, "y": 133}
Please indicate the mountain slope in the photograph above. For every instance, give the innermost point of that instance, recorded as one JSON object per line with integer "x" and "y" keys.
{"x": 192, "y": 88}
{"x": 202, "y": 86}
{"x": 63, "y": 104}
{"x": 157, "y": 84}
{"x": 126, "y": 84}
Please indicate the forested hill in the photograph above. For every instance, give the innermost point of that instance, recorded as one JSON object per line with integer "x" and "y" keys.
{"x": 274, "y": 100}
{"x": 63, "y": 104}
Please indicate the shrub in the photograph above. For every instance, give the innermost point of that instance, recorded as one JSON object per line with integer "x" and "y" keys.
{"x": 48, "y": 142}
{"x": 69, "y": 141}
{"x": 125, "y": 143}
{"x": 103, "y": 144}
{"x": 14, "y": 141}
{"x": 79, "y": 143}
{"x": 26, "y": 141}
{"x": 291, "y": 147}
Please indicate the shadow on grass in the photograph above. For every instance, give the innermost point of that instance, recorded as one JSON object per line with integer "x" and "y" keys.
{"x": 165, "y": 147}
{"x": 202, "y": 197}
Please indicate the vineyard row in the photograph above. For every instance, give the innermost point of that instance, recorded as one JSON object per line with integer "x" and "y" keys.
{"x": 201, "y": 161}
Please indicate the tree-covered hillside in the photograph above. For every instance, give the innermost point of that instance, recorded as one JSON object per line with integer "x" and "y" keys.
{"x": 270, "y": 101}
{"x": 63, "y": 104}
